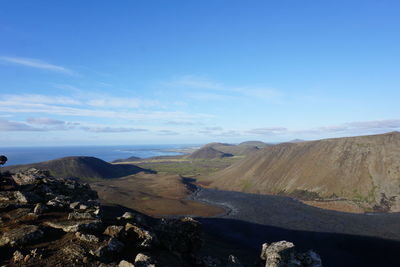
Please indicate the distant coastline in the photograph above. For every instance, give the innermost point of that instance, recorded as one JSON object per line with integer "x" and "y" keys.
{"x": 26, "y": 155}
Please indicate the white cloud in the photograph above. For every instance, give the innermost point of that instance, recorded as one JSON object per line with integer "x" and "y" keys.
{"x": 192, "y": 81}
{"x": 199, "y": 83}
{"x": 35, "y": 63}
{"x": 107, "y": 129}
{"x": 379, "y": 124}
{"x": 56, "y": 125}
{"x": 44, "y": 121}
{"x": 215, "y": 128}
{"x": 167, "y": 132}
{"x": 208, "y": 96}
{"x": 119, "y": 102}
{"x": 6, "y": 125}
{"x": 349, "y": 128}
{"x": 230, "y": 133}
{"x": 37, "y": 99}
{"x": 268, "y": 130}
{"x": 98, "y": 108}
{"x": 183, "y": 123}
{"x": 261, "y": 93}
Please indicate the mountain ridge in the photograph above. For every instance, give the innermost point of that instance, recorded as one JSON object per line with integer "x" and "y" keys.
{"x": 364, "y": 169}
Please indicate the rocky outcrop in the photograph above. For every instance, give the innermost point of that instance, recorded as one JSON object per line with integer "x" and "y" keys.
{"x": 48, "y": 221}
{"x": 21, "y": 236}
{"x": 283, "y": 253}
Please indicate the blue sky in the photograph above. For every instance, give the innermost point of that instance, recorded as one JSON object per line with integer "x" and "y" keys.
{"x": 161, "y": 72}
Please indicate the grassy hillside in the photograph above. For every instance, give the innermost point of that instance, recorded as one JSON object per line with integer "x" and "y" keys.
{"x": 133, "y": 158}
{"x": 86, "y": 168}
{"x": 364, "y": 169}
{"x": 198, "y": 168}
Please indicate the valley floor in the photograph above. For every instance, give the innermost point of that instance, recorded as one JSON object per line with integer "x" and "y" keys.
{"x": 153, "y": 194}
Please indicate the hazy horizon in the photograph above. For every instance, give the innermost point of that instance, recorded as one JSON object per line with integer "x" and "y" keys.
{"x": 178, "y": 72}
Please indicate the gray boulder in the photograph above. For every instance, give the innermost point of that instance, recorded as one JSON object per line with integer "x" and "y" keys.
{"x": 233, "y": 261}
{"x": 124, "y": 263}
{"x": 30, "y": 176}
{"x": 143, "y": 260}
{"x": 87, "y": 237}
{"x": 40, "y": 209}
{"x": 109, "y": 250}
{"x": 75, "y": 226}
{"x": 81, "y": 216}
{"x": 114, "y": 231}
{"x": 283, "y": 254}
{"x": 143, "y": 238}
{"x": 17, "y": 256}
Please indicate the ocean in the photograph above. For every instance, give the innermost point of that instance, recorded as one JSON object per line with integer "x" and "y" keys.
{"x": 25, "y": 155}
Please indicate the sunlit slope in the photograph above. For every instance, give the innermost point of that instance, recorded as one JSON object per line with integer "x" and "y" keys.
{"x": 356, "y": 168}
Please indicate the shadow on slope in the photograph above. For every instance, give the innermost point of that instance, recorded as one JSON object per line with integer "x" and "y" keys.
{"x": 334, "y": 249}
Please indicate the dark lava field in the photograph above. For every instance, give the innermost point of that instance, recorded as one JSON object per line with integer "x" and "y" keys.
{"x": 342, "y": 239}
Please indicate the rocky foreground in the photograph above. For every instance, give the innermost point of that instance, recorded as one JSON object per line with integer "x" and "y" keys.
{"x": 48, "y": 221}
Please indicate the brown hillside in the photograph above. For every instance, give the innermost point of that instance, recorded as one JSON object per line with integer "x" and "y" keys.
{"x": 364, "y": 169}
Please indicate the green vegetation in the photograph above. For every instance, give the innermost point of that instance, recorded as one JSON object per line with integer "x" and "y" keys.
{"x": 304, "y": 194}
{"x": 246, "y": 184}
{"x": 186, "y": 167}
{"x": 367, "y": 198}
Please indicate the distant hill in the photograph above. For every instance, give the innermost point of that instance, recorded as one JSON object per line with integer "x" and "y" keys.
{"x": 80, "y": 167}
{"x": 258, "y": 144}
{"x": 133, "y": 158}
{"x": 241, "y": 149}
{"x": 365, "y": 169}
{"x": 297, "y": 141}
{"x": 208, "y": 152}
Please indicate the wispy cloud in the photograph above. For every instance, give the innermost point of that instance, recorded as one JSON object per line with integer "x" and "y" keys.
{"x": 221, "y": 91}
{"x": 119, "y": 102}
{"x": 217, "y": 132}
{"x": 16, "y": 100}
{"x": 38, "y": 124}
{"x": 47, "y": 125}
{"x": 35, "y": 63}
{"x": 208, "y": 96}
{"x": 6, "y": 125}
{"x": 268, "y": 130}
{"x": 44, "y": 121}
{"x": 210, "y": 130}
{"x": 182, "y": 123}
{"x": 215, "y": 128}
{"x": 167, "y": 132}
{"x": 112, "y": 129}
{"x": 196, "y": 82}
{"x": 363, "y": 127}
{"x": 97, "y": 108}
{"x": 349, "y": 128}
{"x": 378, "y": 124}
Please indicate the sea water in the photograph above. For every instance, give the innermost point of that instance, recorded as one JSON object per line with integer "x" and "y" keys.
{"x": 25, "y": 155}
